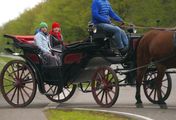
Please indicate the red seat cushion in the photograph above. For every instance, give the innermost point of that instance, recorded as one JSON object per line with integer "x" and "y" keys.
{"x": 25, "y": 39}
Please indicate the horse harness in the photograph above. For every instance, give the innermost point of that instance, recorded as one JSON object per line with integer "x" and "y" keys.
{"x": 174, "y": 40}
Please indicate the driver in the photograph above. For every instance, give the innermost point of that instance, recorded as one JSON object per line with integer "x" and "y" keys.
{"x": 101, "y": 14}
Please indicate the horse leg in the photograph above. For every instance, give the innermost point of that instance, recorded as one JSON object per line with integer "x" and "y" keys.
{"x": 140, "y": 74}
{"x": 160, "y": 74}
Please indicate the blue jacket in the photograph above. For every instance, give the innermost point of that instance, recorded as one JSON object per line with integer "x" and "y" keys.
{"x": 102, "y": 12}
{"x": 42, "y": 41}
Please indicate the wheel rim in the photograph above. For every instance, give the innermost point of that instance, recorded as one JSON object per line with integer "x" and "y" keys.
{"x": 150, "y": 88}
{"x": 105, "y": 87}
{"x": 65, "y": 95}
{"x": 18, "y": 83}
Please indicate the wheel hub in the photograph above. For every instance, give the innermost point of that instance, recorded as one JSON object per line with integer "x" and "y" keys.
{"x": 151, "y": 83}
{"x": 19, "y": 84}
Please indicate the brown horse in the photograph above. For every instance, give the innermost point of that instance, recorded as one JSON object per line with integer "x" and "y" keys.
{"x": 155, "y": 45}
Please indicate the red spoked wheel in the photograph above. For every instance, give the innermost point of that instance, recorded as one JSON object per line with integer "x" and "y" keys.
{"x": 65, "y": 95}
{"x": 150, "y": 86}
{"x": 18, "y": 84}
{"x": 105, "y": 87}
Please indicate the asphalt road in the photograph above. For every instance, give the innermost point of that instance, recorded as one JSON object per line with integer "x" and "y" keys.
{"x": 125, "y": 103}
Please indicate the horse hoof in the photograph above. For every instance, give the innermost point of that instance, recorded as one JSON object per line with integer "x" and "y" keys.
{"x": 163, "y": 106}
{"x": 139, "y": 105}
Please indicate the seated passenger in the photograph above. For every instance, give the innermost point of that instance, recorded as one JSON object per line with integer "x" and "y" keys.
{"x": 56, "y": 38}
{"x": 41, "y": 39}
{"x": 56, "y": 41}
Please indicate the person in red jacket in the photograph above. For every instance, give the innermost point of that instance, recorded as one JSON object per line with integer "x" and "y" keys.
{"x": 56, "y": 38}
{"x": 56, "y": 41}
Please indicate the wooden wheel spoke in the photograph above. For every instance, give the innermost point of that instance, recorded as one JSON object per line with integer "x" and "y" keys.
{"x": 102, "y": 97}
{"x": 108, "y": 74}
{"x": 25, "y": 76}
{"x": 10, "y": 74}
{"x": 151, "y": 92}
{"x": 13, "y": 94}
{"x": 26, "y": 92}
{"x": 164, "y": 86}
{"x": 18, "y": 75}
{"x": 155, "y": 75}
{"x": 68, "y": 90}
{"x": 155, "y": 92}
{"x": 162, "y": 92}
{"x": 22, "y": 73}
{"x": 27, "y": 82}
{"x": 55, "y": 89}
{"x": 64, "y": 94}
{"x": 52, "y": 91}
{"x": 102, "y": 73}
{"x": 100, "y": 76}
{"x": 18, "y": 97}
{"x": 10, "y": 90}
{"x": 8, "y": 85}
{"x": 112, "y": 91}
{"x": 150, "y": 77}
{"x": 99, "y": 93}
{"x": 146, "y": 88}
{"x": 14, "y": 71}
{"x": 164, "y": 80}
{"x": 111, "y": 79}
{"x": 49, "y": 88}
{"x": 9, "y": 80}
{"x": 58, "y": 96}
{"x": 22, "y": 95}
{"x": 109, "y": 96}
{"x": 106, "y": 96}
{"x": 28, "y": 88}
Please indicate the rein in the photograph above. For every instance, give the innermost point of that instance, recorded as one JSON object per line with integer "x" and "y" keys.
{"x": 150, "y": 28}
{"x": 155, "y": 62}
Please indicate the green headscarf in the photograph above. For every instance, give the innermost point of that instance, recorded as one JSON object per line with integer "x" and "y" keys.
{"x": 43, "y": 24}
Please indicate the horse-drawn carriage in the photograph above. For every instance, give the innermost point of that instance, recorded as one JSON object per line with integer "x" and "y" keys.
{"x": 85, "y": 65}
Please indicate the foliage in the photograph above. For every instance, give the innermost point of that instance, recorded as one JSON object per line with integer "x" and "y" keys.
{"x": 75, "y": 14}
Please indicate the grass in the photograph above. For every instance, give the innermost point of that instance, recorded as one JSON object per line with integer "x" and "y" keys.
{"x": 82, "y": 115}
{"x": 3, "y": 61}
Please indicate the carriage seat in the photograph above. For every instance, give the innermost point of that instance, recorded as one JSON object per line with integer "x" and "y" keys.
{"x": 23, "y": 42}
{"x": 79, "y": 46}
{"x": 26, "y": 39}
{"x": 97, "y": 32}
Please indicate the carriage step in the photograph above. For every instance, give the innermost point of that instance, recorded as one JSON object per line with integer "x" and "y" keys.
{"x": 49, "y": 94}
{"x": 114, "y": 60}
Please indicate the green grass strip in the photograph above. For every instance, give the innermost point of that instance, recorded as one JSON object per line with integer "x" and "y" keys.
{"x": 82, "y": 115}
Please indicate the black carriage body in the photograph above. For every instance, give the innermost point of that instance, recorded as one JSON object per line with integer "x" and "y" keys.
{"x": 74, "y": 60}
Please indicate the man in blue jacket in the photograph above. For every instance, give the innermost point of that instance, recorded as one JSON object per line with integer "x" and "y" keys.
{"x": 101, "y": 14}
